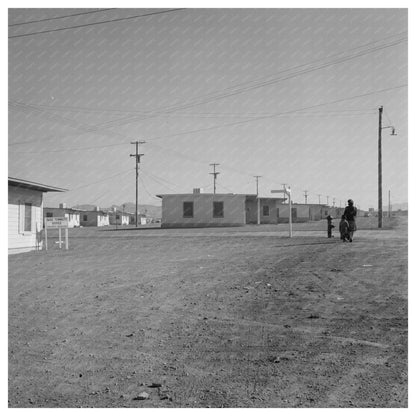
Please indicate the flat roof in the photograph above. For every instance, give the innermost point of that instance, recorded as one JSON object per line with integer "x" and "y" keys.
{"x": 22, "y": 183}
{"x": 254, "y": 196}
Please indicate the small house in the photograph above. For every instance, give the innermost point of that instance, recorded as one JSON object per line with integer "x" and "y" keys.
{"x": 216, "y": 210}
{"x": 94, "y": 218}
{"x": 25, "y": 212}
{"x": 118, "y": 218}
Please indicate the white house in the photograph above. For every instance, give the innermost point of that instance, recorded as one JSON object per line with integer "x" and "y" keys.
{"x": 95, "y": 218}
{"x": 25, "y": 214}
{"x": 118, "y": 218}
{"x": 70, "y": 214}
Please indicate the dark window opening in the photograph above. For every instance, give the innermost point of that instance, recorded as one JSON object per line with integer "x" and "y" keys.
{"x": 218, "y": 209}
{"x": 188, "y": 209}
{"x": 266, "y": 211}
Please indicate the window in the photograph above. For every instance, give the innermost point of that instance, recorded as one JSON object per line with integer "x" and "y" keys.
{"x": 218, "y": 209}
{"x": 28, "y": 217}
{"x": 266, "y": 211}
{"x": 117, "y": 217}
{"x": 278, "y": 213}
{"x": 49, "y": 214}
{"x": 188, "y": 210}
{"x": 85, "y": 218}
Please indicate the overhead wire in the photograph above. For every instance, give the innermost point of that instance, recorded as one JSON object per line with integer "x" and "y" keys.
{"x": 209, "y": 98}
{"x": 59, "y": 17}
{"x": 277, "y": 114}
{"x": 94, "y": 24}
{"x": 101, "y": 180}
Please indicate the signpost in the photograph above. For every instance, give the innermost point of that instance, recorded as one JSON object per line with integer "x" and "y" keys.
{"x": 286, "y": 191}
{"x": 59, "y": 223}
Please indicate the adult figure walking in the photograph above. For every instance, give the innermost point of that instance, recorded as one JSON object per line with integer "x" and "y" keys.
{"x": 350, "y": 213}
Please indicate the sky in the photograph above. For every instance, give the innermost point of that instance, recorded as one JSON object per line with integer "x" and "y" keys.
{"x": 291, "y": 95}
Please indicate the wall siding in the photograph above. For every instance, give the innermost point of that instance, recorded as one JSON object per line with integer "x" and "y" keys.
{"x": 18, "y": 241}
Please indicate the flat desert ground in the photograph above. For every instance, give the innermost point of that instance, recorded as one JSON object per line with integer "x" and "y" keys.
{"x": 218, "y": 317}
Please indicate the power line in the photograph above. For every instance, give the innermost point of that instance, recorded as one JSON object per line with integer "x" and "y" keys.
{"x": 83, "y": 128}
{"x": 59, "y": 17}
{"x": 208, "y": 98}
{"x": 76, "y": 149}
{"x": 278, "y": 114}
{"x": 172, "y": 109}
{"x": 94, "y": 24}
{"x": 101, "y": 180}
{"x": 145, "y": 188}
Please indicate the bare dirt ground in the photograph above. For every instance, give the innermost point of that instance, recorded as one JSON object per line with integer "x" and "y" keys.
{"x": 236, "y": 317}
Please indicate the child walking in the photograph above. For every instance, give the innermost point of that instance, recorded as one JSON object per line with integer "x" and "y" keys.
{"x": 344, "y": 229}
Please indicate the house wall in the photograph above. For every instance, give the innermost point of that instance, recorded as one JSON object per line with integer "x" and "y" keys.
{"x": 19, "y": 240}
{"x": 102, "y": 220}
{"x": 172, "y": 210}
{"x": 123, "y": 219}
{"x": 302, "y": 213}
{"x": 91, "y": 218}
{"x": 251, "y": 211}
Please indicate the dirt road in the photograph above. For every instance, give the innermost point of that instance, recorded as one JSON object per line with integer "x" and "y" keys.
{"x": 211, "y": 318}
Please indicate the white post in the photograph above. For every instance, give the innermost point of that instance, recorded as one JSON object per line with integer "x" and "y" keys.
{"x": 258, "y": 210}
{"x": 60, "y": 236}
{"x": 287, "y": 192}
{"x": 290, "y": 214}
{"x": 66, "y": 238}
{"x": 46, "y": 237}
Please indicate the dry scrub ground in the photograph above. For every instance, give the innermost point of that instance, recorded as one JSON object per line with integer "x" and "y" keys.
{"x": 237, "y": 317}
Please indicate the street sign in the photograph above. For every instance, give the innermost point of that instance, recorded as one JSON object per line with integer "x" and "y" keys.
{"x": 56, "y": 222}
{"x": 59, "y": 223}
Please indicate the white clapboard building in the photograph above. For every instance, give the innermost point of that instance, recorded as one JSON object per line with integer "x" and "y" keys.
{"x": 25, "y": 214}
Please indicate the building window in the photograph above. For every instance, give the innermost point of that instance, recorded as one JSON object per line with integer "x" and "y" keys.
{"x": 49, "y": 214}
{"x": 85, "y": 218}
{"x": 278, "y": 213}
{"x": 28, "y": 217}
{"x": 188, "y": 210}
{"x": 218, "y": 209}
{"x": 266, "y": 211}
{"x": 117, "y": 217}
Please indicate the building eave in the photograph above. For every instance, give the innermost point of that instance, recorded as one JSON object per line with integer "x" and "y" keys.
{"x": 22, "y": 183}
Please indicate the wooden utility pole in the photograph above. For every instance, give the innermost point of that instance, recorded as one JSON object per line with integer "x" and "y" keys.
{"x": 258, "y": 199}
{"x": 215, "y": 175}
{"x": 137, "y": 156}
{"x": 380, "y": 187}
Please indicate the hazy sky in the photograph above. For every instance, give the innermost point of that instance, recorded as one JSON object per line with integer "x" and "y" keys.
{"x": 288, "y": 94}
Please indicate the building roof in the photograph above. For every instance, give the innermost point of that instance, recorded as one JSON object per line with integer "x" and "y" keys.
{"x": 63, "y": 209}
{"x": 22, "y": 183}
{"x": 248, "y": 196}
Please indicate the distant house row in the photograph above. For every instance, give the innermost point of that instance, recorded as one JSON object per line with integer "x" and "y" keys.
{"x": 93, "y": 218}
